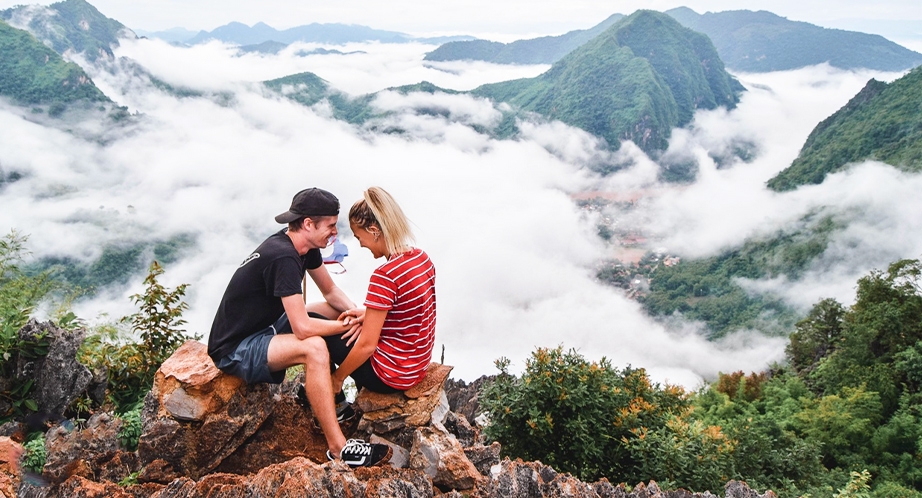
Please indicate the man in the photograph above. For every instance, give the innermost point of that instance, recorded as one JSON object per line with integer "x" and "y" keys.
{"x": 262, "y": 326}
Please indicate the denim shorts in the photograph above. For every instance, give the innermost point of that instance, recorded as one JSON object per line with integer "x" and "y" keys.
{"x": 250, "y": 361}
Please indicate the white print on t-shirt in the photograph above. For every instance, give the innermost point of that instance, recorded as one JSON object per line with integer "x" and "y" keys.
{"x": 251, "y": 257}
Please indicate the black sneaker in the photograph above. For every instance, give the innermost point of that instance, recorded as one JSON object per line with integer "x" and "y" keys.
{"x": 358, "y": 453}
{"x": 344, "y": 410}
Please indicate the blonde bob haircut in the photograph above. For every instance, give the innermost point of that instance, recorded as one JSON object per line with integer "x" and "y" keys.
{"x": 379, "y": 209}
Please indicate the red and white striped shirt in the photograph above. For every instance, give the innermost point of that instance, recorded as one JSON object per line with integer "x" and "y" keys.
{"x": 405, "y": 288}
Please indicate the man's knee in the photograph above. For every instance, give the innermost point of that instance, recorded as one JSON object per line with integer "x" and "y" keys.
{"x": 314, "y": 351}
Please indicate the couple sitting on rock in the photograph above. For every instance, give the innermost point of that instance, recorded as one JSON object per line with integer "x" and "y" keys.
{"x": 263, "y": 326}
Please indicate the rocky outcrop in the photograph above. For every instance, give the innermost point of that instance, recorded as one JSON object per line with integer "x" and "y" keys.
{"x": 10, "y": 474}
{"x": 206, "y": 434}
{"x": 58, "y": 377}
{"x": 195, "y": 415}
{"x": 92, "y": 453}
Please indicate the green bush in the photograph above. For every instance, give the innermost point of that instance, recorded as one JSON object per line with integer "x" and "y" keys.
{"x": 19, "y": 294}
{"x": 33, "y": 455}
{"x": 130, "y": 432}
{"x": 131, "y": 362}
{"x": 577, "y": 416}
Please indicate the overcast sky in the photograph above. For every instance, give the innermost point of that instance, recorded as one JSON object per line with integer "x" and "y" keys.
{"x": 487, "y": 18}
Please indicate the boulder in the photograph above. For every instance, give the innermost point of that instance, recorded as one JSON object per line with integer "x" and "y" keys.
{"x": 483, "y": 457}
{"x": 83, "y": 452}
{"x": 195, "y": 415}
{"x": 396, "y": 416}
{"x": 10, "y": 473}
{"x": 739, "y": 489}
{"x": 58, "y": 377}
{"x": 458, "y": 425}
{"x": 464, "y": 398}
{"x": 440, "y": 456}
{"x": 288, "y": 432}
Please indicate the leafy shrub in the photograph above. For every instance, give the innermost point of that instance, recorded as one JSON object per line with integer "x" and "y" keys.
{"x": 33, "y": 455}
{"x": 575, "y": 415}
{"x": 130, "y": 365}
{"x": 130, "y": 432}
{"x": 687, "y": 454}
{"x": 19, "y": 294}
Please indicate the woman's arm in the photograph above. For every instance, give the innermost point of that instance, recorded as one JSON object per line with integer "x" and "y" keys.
{"x": 364, "y": 347}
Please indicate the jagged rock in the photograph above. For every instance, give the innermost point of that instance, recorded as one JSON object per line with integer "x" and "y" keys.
{"x": 80, "y": 487}
{"x": 400, "y": 457}
{"x": 288, "y": 432}
{"x": 483, "y": 457}
{"x": 565, "y": 485}
{"x": 458, "y": 425}
{"x": 393, "y": 483}
{"x": 158, "y": 471}
{"x": 464, "y": 398}
{"x": 10, "y": 473}
{"x": 59, "y": 378}
{"x": 605, "y": 489}
{"x": 514, "y": 479}
{"x": 302, "y": 477}
{"x": 395, "y": 416}
{"x": 120, "y": 466}
{"x": 81, "y": 452}
{"x": 739, "y": 489}
{"x": 440, "y": 456}
{"x": 195, "y": 415}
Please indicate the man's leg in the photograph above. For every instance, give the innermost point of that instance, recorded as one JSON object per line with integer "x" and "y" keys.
{"x": 322, "y": 308}
{"x": 286, "y": 350}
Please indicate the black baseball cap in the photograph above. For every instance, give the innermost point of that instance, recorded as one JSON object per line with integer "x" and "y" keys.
{"x": 310, "y": 202}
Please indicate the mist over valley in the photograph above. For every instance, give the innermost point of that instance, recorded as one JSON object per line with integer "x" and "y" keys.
{"x": 520, "y": 225}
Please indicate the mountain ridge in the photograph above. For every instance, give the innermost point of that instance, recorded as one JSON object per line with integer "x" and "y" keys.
{"x": 882, "y": 122}
{"x": 748, "y": 41}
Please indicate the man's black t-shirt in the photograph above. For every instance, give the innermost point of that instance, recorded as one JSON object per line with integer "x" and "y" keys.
{"x": 253, "y": 299}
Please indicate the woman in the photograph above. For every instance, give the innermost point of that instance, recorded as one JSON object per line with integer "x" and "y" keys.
{"x": 395, "y": 346}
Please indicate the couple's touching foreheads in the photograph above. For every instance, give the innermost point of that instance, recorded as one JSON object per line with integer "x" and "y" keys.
{"x": 263, "y": 325}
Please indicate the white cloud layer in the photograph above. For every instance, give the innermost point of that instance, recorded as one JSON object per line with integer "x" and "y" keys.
{"x": 514, "y": 254}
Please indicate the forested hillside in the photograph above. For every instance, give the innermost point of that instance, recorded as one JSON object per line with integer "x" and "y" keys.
{"x": 762, "y": 41}
{"x": 31, "y": 73}
{"x": 840, "y": 419}
{"x": 636, "y": 81}
{"x": 70, "y": 25}
{"x": 746, "y": 41}
{"x": 882, "y": 122}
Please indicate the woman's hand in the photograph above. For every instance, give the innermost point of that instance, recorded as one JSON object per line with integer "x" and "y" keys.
{"x": 353, "y": 316}
{"x": 337, "y": 382}
{"x": 352, "y": 334}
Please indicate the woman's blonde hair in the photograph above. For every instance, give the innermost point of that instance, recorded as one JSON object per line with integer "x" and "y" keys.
{"x": 378, "y": 208}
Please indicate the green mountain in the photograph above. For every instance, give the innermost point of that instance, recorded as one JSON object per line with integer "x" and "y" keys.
{"x": 71, "y": 25}
{"x": 32, "y": 74}
{"x": 762, "y": 41}
{"x": 636, "y": 81}
{"x": 745, "y": 40}
{"x": 883, "y": 122}
{"x": 544, "y": 50}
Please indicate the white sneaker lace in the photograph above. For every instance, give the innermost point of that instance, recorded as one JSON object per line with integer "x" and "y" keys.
{"x": 356, "y": 446}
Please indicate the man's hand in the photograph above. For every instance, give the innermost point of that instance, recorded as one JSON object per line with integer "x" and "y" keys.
{"x": 355, "y": 315}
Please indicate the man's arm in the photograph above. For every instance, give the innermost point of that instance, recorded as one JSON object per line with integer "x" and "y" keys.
{"x": 304, "y": 326}
{"x": 332, "y": 294}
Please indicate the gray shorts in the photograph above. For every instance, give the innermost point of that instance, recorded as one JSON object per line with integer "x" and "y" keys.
{"x": 250, "y": 361}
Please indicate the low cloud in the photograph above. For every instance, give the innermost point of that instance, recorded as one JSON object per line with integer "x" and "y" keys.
{"x": 515, "y": 255}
